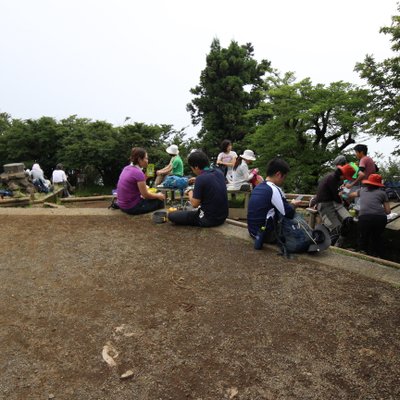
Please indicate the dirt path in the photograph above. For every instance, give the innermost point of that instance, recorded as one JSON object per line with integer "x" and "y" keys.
{"x": 194, "y": 314}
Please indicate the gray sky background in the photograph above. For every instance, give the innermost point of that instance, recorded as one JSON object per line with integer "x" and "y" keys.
{"x": 111, "y": 59}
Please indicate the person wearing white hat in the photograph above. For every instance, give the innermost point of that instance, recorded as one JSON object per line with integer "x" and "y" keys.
{"x": 242, "y": 176}
{"x": 175, "y": 166}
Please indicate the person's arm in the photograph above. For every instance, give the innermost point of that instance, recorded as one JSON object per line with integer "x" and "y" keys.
{"x": 166, "y": 170}
{"x": 386, "y": 207}
{"x": 193, "y": 201}
{"x": 353, "y": 195}
{"x": 360, "y": 176}
{"x": 146, "y": 194}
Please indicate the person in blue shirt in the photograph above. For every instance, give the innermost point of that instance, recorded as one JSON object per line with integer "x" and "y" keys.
{"x": 209, "y": 195}
{"x": 267, "y": 198}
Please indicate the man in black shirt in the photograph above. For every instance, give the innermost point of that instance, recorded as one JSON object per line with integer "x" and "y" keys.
{"x": 209, "y": 195}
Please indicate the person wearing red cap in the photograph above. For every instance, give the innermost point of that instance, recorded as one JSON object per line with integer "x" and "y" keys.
{"x": 330, "y": 206}
{"x": 372, "y": 219}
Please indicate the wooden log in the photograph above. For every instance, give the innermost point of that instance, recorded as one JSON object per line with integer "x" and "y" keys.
{"x": 89, "y": 198}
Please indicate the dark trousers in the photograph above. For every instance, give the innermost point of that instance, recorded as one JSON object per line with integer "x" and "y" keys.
{"x": 192, "y": 218}
{"x": 145, "y": 206}
{"x": 370, "y": 230}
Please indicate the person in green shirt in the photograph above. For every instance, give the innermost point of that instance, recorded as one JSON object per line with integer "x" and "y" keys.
{"x": 175, "y": 166}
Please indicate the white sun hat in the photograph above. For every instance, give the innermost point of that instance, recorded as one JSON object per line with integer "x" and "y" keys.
{"x": 173, "y": 149}
{"x": 248, "y": 155}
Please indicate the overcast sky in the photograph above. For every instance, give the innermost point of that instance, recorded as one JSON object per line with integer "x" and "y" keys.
{"x": 113, "y": 59}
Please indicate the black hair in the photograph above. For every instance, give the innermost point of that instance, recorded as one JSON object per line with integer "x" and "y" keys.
{"x": 361, "y": 148}
{"x": 277, "y": 165}
{"x": 237, "y": 162}
{"x": 224, "y": 145}
{"x": 198, "y": 159}
{"x": 136, "y": 154}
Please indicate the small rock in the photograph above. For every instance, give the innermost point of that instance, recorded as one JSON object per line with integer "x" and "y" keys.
{"x": 51, "y": 396}
{"x": 127, "y": 374}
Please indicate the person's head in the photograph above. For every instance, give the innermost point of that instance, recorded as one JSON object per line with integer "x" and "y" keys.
{"x": 59, "y": 166}
{"x": 172, "y": 150}
{"x": 361, "y": 150}
{"x": 248, "y": 156}
{"x": 139, "y": 157}
{"x": 277, "y": 170}
{"x": 198, "y": 161}
{"x": 345, "y": 172}
{"x": 339, "y": 160}
{"x": 226, "y": 146}
{"x": 36, "y": 167}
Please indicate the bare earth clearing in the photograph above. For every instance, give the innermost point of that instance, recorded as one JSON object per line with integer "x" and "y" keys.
{"x": 194, "y": 314}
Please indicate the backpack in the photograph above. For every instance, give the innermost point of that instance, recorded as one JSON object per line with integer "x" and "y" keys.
{"x": 293, "y": 235}
{"x": 175, "y": 182}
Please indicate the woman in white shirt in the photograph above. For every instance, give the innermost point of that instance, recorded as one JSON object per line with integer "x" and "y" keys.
{"x": 241, "y": 173}
{"x": 227, "y": 158}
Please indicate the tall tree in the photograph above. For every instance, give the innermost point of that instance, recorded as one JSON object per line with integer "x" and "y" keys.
{"x": 230, "y": 85}
{"x": 384, "y": 81}
{"x": 310, "y": 126}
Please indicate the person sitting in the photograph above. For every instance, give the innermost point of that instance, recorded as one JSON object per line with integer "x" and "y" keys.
{"x": 59, "y": 178}
{"x": 330, "y": 207}
{"x": 372, "y": 217}
{"x": 243, "y": 179}
{"x": 226, "y": 159}
{"x": 38, "y": 179}
{"x": 267, "y": 198}
{"x": 175, "y": 166}
{"x": 209, "y": 195}
{"x": 133, "y": 196}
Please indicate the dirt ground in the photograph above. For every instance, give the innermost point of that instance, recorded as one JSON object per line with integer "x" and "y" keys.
{"x": 194, "y": 314}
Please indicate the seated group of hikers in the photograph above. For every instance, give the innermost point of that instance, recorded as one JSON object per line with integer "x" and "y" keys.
{"x": 347, "y": 183}
{"x": 209, "y": 198}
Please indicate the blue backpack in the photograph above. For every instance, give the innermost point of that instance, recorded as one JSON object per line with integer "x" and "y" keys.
{"x": 293, "y": 235}
{"x": 176, "y": 182}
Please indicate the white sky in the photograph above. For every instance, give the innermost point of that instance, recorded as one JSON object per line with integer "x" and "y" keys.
{"x": 111, "y": 59}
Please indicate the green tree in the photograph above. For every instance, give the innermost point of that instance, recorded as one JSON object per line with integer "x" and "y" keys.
{"x": 231, "y": 84}
{"x": 30, "y": 141}
{"x": 384, "y": 81}
{"x": 310, "y": 126}
{"x": 89, "y": 145}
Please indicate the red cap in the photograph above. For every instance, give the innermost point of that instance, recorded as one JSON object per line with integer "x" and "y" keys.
{"x": 347, "y": 171}
{"x": 374, "y": 180}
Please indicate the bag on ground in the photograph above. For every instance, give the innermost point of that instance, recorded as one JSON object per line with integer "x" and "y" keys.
{"x": 293, "y": 235}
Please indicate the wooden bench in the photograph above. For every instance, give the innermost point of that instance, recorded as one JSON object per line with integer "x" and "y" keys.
{"x": 241, "y": 212}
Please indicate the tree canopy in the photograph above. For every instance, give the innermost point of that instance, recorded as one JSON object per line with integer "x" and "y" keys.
{"x": 309, "y": 125}
{"x": 95, "y": 147}
{"x": 384, "y": 81}
{"x": 230, "y": 85}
